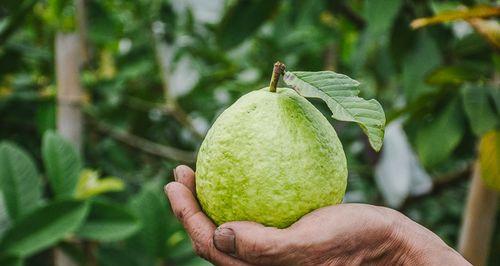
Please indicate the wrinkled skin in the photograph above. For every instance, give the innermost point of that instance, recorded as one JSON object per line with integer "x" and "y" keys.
{"x": 345, "y": 234}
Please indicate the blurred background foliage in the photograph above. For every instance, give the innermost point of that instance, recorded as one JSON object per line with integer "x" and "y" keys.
{"x": 157, "y": 74}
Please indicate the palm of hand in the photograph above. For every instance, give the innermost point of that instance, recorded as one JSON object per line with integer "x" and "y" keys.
{"x": 335, "y": 235}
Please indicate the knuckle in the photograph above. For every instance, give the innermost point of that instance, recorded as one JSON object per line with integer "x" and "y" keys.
{"x": 183, "y": 213}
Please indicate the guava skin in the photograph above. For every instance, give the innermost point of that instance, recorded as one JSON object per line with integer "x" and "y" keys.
{"x": 271, "y": 158}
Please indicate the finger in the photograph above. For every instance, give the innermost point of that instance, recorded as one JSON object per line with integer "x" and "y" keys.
{"x": 199, "y": 227}
{"x": 182, "y": 201}
{"x": 253, "y": 243}
{"x": 185, "y": 175}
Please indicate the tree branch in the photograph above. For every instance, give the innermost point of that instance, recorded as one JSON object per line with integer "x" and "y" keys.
{"x": 146, "y": 145}
{"x": 340, "y": 7}
{"x": 173, "y": 109}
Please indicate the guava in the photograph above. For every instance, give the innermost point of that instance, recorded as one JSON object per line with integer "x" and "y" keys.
{"x": 271, "y": 158}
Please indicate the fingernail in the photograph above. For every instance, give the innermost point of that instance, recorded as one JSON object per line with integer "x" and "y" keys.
{"x": 165, "y": 188}
{"x": 175, "y": 174}
{"x": 224, "y": 240}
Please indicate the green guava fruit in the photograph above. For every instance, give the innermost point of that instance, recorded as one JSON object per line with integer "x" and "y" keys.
{"x": 271, "y": 158}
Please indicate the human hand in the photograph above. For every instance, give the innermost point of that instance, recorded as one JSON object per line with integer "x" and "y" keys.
{"x": 342, "y": 234}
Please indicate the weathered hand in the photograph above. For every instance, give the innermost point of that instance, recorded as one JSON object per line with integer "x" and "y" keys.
{"x": 336, "y": 235}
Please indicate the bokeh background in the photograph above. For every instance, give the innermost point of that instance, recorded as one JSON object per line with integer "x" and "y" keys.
{"x": 100, "y": 100}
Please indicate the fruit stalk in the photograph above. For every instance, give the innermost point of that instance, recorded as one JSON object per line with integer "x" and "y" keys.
{"x": 278, "y": 69}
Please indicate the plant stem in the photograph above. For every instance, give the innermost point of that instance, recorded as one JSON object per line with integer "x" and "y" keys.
{"x": 278, "y": 69}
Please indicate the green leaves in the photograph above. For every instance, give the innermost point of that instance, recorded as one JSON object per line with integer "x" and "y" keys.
{"x": 422, "y": 60}
{"x": 482, "y": 117}
{"x": 341, "y": 95}
{"x": 90, "y": 185}
{"x": 19, "y": 180}
{"x": 43, "y": 227}
{"x": 242, "y": 19}
{"x": 46, "y": 116}
{"x": 489, "y": 159}
{"x": 62, "y": 163}
{"x": 6, "y": 260}
{"x": 35, "y": 228}
{"x": 32, "y": 228}
{"x": 463, "y": 13}
{"x": 4, "y": 216}
{"x": 108, "y": 222}
{"x": 380, "y": 16}
{"x": 439, "y": 137}
{"x": 455, "y": 74}
{"x": 152, "y": 212}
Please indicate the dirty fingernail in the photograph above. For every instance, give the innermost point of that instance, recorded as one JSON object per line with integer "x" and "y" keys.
{"x": 224, "y": 240}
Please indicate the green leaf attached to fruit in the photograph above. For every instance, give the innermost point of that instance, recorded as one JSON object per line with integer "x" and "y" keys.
{"x": 340, "y": 93}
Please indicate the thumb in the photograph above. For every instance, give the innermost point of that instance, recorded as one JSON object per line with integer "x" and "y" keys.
{"x": 252, "y": 242}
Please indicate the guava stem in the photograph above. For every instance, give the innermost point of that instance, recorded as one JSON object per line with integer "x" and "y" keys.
{"x": 278, "y": 69}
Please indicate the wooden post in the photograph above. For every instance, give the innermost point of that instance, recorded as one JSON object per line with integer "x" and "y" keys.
{"x": 71, "y": 52}
{"x": 69, "y": 100}
{"x": 479, "y": 221}
{"x": 69, "y": 90}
